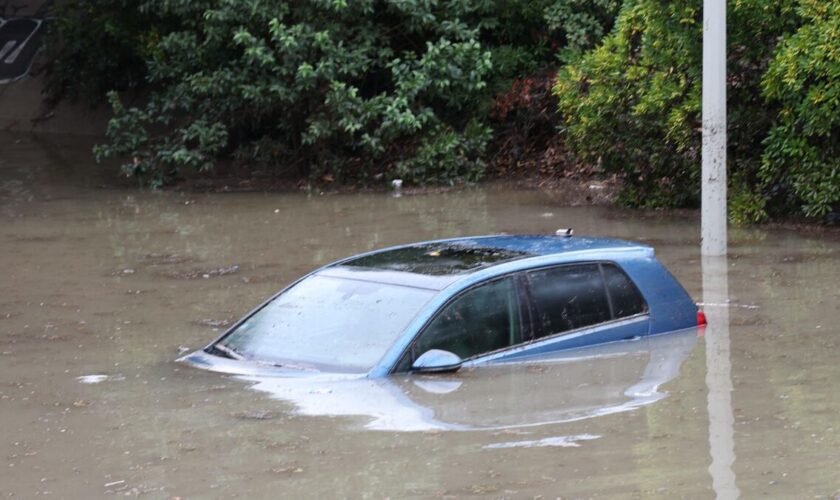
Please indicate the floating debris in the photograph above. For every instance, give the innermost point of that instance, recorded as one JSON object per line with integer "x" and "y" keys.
{"x": 201, "y": 273}
{"x": 254, "y": 415}
{"x": 561, "y": 441}
{"x": 728, "y": 304}
{"x": 287, "y": 470}
{"x": 95, "y": 379}
{"x": 166, "y": 258}
{"x": 214, "y": 323}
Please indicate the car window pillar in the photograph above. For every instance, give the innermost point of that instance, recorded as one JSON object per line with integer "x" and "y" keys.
{"x": 606, "y": 290}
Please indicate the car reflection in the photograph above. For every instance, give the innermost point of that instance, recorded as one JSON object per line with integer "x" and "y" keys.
{"x": 562, "y": 387}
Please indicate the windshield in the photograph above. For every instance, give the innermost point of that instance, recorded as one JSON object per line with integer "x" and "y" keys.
{"x": 327, "y": 322}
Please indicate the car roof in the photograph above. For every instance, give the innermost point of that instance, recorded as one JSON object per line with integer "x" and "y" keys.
{"x": 436, "y": 264}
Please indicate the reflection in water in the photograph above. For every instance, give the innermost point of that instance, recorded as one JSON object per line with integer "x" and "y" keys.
{"x": 92, "y": 379}
{"x": 719, "y": 377}
{"x": 558, "y": 387}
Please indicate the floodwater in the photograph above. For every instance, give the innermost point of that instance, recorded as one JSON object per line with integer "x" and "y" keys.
{"x": 104, "y": 286}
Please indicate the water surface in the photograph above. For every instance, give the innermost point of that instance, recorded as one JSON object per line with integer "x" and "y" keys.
{"x": 104, "y": 286}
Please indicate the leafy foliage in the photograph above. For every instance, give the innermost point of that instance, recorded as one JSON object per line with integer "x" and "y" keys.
{"x": 525, "y": 119}
{"x": 583, "y": 22}
{"x": 100, "y": 45}
{"x": 428, "y": 91}
{"x": 350, "y": 89}
{"x": 802, "y": 154}
{"x": 446, "y": 157}
{"x": 633, "y": 103}
{"x": 321, "y": 87}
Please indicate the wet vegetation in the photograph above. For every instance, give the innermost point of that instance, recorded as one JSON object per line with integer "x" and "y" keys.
{"x": 633, "y": 105}
{"x": 445, "y": 93}
{"x": 349, "y": 91}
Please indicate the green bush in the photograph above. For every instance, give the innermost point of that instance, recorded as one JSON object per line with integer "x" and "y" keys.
{"x": 318, "y": 87}
{"x": 632, "y": 105}
{"x": 426, "y": 90}
{"x": 447, "y": 157}
{"x": 802, "y": 155}
{"x": 99, "y": 46}
{"x": 582, "y": 22}
{"x": 323, "y": 80}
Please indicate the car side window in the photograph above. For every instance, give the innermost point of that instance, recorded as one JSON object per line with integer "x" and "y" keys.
{"x": 625, "y": 297}
{"x": 568, "y": 297}
{"x": 483, "y": 319}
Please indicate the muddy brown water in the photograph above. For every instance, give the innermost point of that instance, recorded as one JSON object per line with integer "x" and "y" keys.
{"x": 103, "y": 287}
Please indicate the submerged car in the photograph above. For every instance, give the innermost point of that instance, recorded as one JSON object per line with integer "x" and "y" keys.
{"x": 437, "y": 306}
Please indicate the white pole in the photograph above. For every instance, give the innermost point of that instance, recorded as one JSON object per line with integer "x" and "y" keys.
{"x": 713, "y": 198}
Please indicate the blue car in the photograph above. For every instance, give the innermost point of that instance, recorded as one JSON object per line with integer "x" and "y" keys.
{"x": 441, "y": 305}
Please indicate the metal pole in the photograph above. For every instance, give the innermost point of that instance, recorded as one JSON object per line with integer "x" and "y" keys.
{"x": 713, "y": 198}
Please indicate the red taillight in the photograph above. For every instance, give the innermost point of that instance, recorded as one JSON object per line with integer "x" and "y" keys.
{"x": 701, "y": 318}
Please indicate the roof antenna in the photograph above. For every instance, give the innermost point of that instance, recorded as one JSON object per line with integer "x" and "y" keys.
{"x": 565, "y": 232}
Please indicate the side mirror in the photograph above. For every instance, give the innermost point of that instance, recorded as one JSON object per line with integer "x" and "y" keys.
{"x": 436, "y": 361}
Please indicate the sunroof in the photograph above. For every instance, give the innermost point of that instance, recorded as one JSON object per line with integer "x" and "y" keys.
{"x": 436, "y": 259}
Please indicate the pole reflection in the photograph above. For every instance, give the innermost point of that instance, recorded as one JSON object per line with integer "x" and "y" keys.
{"x": 719, "y": 377}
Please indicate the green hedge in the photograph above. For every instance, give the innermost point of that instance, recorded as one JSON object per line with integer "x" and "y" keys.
{"x": 324, "y": 81}
{"x": 355, "y": 90}
{"x": 632, "y": 105}
{"x": 363, "y": 90}
{"x": 802, "y": 153}
{"x": 97, "y": 46}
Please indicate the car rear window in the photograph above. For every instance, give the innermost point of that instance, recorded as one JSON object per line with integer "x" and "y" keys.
{"x": 626, "y": 299}
{"x": 568, "y": 297}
